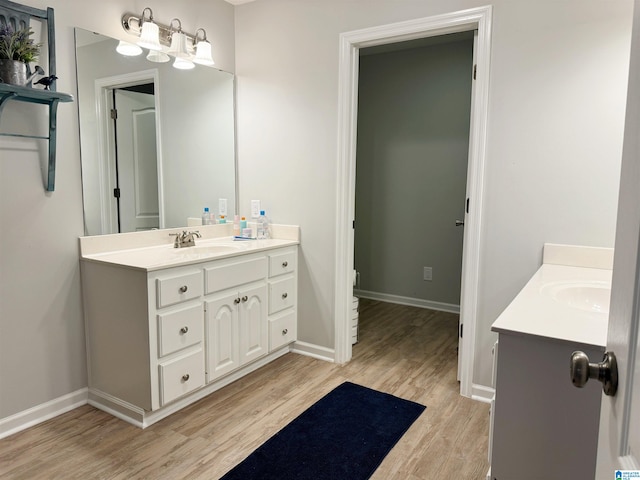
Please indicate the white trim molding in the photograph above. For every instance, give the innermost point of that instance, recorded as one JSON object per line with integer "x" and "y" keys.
{"x": 41, "y": 413}
{"x": 409, "y": 301}
{"x": 350, "y": 42}
{"x": 314, "y": 351}
{"x": 482, "y": 393}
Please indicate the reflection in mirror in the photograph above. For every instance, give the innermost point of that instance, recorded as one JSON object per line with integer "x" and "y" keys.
{"x": 166, "y": 154}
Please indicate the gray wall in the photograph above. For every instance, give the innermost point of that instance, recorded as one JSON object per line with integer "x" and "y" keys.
{"x": 42, "y": 351}
{"x": 412, "y": 151}
{"x": 556, "y": 113}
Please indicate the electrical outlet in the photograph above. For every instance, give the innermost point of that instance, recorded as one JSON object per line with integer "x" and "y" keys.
{"x": 255, "y": 208}
{"x": 222, "y": 206}
{"x": 428, "y": 273}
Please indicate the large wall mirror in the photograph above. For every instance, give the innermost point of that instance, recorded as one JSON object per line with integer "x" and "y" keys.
{"x": 166, "y": 152}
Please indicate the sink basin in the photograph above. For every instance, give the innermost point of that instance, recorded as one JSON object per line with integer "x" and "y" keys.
{"x": 587, "y": 296}
{"x": 208, "y": 249}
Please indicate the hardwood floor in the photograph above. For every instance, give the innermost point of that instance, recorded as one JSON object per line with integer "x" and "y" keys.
{"x": 405, "y": 351}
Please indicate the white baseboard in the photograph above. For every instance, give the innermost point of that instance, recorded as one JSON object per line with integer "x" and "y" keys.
{"x": 412, "y": 302}
{"x": 482, "y": 393}
{"x": 41, "y": 413}
{"x": 315, "y": 351}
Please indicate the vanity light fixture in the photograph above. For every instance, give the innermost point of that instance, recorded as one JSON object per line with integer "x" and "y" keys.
{"x": 179, "y": 48}
{"x": 203, "y": 49}
{"x": 149, "y": 32}
{"x": 128, "y": 49}
{"x": 156, "y": 37}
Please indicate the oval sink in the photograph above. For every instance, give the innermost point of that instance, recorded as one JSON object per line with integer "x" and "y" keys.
{"x": 590, "y": 297}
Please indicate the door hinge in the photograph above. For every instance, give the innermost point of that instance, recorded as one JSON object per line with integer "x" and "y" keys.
{"x": 467, "y": 205}
{"x": 461, "y": 329}
{"x": 353, "y": 224}
{"x": 475, "y": 70}
{"x": 116, "y": 192}
{"x": 114, "y": 114}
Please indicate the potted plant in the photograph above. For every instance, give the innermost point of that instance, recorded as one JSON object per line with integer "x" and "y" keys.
{"x": 17, "y": 50}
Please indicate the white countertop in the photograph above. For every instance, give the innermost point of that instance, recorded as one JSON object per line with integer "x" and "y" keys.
{"x": 546, "y": 308}
{"x": 165, "y": 256}
{"x": 153, "y": 250}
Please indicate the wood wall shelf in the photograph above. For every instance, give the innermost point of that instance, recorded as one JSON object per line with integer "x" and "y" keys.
{"x": 43, "y": 97}
{"x": 19, "y": 16}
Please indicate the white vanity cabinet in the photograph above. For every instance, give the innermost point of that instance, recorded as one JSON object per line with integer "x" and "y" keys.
{"x": 236, "y": 314}
{"x": 159, "y": 339}
{"x": 283, "y": 297}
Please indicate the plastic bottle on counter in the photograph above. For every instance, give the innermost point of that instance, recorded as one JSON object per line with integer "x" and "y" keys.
{"x": 222, "y": 219}
{"x": 262, "y": 226}
{"x": 206, "y": 217}
{"x": 236, "y": 226}
{"x": 243, "y": 223}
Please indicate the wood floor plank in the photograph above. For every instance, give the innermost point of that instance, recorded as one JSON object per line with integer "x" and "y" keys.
{"x": 406, "y": 351}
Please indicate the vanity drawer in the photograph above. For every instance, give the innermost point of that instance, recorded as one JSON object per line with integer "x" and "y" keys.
{"x": 180, "y": 329}
{"x": 281, "y": 263}
{"x": 178, "y": 288}
{"x": 221, "y": 277}
{"x": 181, "y": 376}
{"x": 282, "y": 294}
{"x": 282, "y": 330}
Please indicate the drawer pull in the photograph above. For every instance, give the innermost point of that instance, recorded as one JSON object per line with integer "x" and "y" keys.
{"x": 185, "y": 377}
{"x": 184, "y": 330}
{"x": 236, "y": 301}
{"x": 285, "y": 331}
{"x": 183, "y": 289}
{"x": 284, "y": 295}
{"x": 285, "y": 264}
{"x": 245, "y": 298}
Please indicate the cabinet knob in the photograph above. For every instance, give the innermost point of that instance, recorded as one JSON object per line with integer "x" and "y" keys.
{"x": 284, "y": 295}
{"x": 183, "y": 289}
{"x": 285, "y": 264}
{"x": 245, "y": 298}
{"x": 236, "y": 301}
{"x": 185, "y": 377}
{"x": 184, "y": 330}
{"x": 285, "y": 331}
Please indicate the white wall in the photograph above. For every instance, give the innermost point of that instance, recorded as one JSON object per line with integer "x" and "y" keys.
{"x": 556, "y": 112}
{"x": 42, "y": 354}
{"x": 414, "y": 109}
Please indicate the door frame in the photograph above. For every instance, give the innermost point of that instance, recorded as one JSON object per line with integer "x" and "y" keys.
{"x": 350, "y": 43}
{"x": 106, "y": 169}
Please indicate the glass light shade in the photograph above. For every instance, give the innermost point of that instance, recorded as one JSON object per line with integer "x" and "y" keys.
{"x": 158, "y": 56}
{"x": 179, "y": 45}
{"x": 183, "y": 64}
{"x": 128, "y": 49}
{"x": 203, "y": 53}
{"x": 150, "y": 36}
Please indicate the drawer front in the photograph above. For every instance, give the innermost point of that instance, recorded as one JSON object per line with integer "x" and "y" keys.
{"x": 281, "y": 263}
{"x": 282, "y": 294}
{"x": 282, "y": 330}
{"x": 181, "y": 376}
{"x": 221, "y": 277}
{"x": 178, "y": 288}
{"x": 180, "y": 329}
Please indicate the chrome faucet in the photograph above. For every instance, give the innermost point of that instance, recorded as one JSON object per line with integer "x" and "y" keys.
{"x": 185, "y": 239}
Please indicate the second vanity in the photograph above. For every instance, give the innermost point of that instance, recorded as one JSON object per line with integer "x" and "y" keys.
{"x": 167, "y": 326}
{"x": 541, "y": 425}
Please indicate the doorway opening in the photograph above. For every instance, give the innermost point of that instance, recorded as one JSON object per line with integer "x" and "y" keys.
{"x": 414, "y": 109}
{"x": 130, "y": 163}
{"x": 350, "y": 43}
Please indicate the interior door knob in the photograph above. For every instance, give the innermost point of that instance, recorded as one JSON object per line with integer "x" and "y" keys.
{"x": 605, "y": 371}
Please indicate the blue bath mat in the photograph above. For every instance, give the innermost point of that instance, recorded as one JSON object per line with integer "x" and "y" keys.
{"x": 343, "y": 436}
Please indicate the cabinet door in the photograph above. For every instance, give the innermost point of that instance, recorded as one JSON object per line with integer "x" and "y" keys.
{"x": 223, "y": 335}
{"x": 254, "y": 335}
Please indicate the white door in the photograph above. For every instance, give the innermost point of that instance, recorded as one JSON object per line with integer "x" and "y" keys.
{"x": 137, "y": 161}
{"x": 619, "y": 439}
{"x": 223, "y": 333}
{"x": 254, "y": 335}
